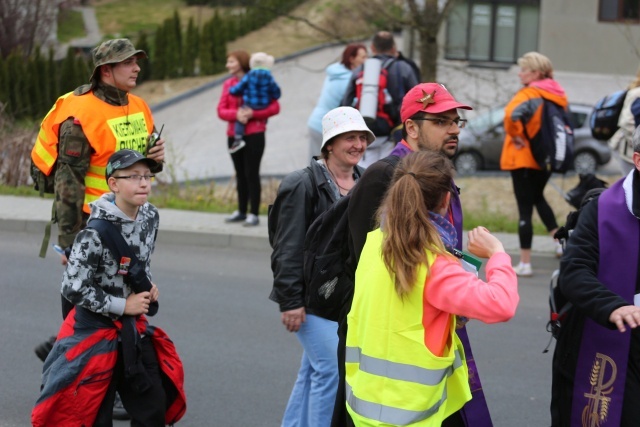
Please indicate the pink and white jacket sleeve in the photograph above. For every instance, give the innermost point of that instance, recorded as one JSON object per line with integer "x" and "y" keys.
{"x": 452, "y": 289}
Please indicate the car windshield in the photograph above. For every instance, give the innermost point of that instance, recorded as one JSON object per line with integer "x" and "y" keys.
{"x": 486, "y": 121}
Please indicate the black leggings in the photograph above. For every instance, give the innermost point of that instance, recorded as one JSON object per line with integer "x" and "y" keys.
{"x": 246, "y": 162}
{"x": 528, "y": 186}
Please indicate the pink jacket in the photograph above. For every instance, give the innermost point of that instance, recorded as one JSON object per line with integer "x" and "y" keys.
{"x": 451, "y": 289}
{"x": 228, "y": 107}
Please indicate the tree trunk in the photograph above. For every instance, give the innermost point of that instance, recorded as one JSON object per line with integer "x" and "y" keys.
{"x": 428, "y": 57}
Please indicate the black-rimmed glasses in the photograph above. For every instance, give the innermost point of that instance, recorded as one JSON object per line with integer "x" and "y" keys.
{"x": 444, "y": 122}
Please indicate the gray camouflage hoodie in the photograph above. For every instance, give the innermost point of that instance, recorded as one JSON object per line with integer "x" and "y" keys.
{"x": 91, "y": 279}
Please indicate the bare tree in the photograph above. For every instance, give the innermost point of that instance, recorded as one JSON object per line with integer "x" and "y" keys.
{"x": 426, "y": 18}
{"x": 25, "y": 24}
{"x": 421, "y": 17}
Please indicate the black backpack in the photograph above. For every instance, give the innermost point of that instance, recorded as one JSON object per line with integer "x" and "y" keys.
{"x": 328, "y": 262}
{"x": 329, "y": 259}
{"x": 604, "y": 118}
{"x": 559, "y": 307}
{"x": 552, "y": 146}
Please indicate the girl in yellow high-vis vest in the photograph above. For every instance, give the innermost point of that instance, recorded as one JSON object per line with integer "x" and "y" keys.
{"x": 404, "y": 363}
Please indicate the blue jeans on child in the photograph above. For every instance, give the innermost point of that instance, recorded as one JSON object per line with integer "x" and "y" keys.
{"x": 314, "y": 392}
{"x": 238, "y": 129}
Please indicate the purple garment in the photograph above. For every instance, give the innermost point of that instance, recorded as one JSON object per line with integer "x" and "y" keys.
{"x": 475, "y": 412}
{"x": 602, "y": 362}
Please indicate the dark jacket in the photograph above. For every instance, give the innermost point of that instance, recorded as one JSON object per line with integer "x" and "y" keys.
{"x": 302, "y": 196}
{"x": 579, "y": 283}
{"x": 365, "y": 202}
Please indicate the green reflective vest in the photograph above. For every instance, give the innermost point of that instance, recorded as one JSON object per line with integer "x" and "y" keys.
{"x": 391, "y": 376}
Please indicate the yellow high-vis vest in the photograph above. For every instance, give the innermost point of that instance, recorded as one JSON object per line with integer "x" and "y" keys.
{"x": 392, "y": 378}
{"x": 109, "y": 128}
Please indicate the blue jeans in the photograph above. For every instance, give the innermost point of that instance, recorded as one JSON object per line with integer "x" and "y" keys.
{"x": 313, "y": 395}
{"x": 238, "y": 130}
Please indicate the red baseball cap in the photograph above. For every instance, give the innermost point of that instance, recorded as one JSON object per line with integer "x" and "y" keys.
{"x": 431, "y": 98}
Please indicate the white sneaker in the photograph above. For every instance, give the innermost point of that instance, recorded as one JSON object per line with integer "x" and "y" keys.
{"x": 251, "y": 221}
{"x": 237, "y": 145}
{"x": 523, "y": 270}
{"x": 559, "y": 250}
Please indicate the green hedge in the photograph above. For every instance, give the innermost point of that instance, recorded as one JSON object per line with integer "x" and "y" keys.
{"x": 30, "y": 86}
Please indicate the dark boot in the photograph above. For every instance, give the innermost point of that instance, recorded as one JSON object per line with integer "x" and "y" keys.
{"x": 43, "y": 349}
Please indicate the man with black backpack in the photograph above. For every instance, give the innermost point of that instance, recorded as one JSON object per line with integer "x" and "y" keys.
{"x": 596, "y": 369}
{"x": 397, "y": 75}
{"x": 429, "y": 114}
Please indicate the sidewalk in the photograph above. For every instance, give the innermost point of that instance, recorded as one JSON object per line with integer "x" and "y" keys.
{"x": 31, "y": 214}
{"x": 93, "y": 35}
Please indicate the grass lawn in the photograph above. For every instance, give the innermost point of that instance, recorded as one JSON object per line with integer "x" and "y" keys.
{"x": 70, "y": 25}
{"x": 127, "y": 18}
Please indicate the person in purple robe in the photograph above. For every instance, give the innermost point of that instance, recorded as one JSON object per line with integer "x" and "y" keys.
{"x": 596, "y": 362}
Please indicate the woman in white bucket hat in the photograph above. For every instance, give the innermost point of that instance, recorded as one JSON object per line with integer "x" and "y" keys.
{"x": 303, "y": 195}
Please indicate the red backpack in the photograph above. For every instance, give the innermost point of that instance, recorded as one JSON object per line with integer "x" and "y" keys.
{"x": 385, "y": 101}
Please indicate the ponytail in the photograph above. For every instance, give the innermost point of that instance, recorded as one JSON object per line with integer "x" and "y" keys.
{"x": 420, "y": 184}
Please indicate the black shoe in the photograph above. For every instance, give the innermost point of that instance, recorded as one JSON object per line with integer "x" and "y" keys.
{"x": 43, "y": 349}
{"x": 236, "y": 217}
{"x": 119, "y": 413}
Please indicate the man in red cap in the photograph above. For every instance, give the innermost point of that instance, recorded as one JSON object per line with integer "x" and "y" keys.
{"x": 430, "y": 121}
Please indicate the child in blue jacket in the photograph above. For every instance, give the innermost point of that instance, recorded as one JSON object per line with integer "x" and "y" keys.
{"x": 257, "y": 88}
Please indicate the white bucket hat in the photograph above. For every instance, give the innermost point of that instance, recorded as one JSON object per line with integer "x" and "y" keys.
{"x": 341, "y": 120}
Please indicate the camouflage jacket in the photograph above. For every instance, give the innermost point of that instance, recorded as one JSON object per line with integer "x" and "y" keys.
{"x": 72, "y": 168}
{"x": 91, "y": 279}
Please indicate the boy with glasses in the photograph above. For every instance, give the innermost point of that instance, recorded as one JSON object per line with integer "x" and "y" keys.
{"x": 124, "y": 353}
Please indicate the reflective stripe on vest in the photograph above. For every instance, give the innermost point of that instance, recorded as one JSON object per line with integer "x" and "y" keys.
{"x": 45, "y": 150}
{"x": 388, "y": 414}
{"x": 400, "y": 371}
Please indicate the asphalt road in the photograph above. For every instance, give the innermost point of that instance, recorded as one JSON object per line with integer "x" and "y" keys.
{"x": 240, "y": 363}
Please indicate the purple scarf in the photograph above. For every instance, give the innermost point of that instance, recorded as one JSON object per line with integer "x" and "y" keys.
{"x": 602, "y": 364}
{"x": 475, "y": 412}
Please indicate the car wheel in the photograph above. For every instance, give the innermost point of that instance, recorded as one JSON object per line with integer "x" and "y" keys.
{"x": 468, "y": 163}
{"x": 585, "y": 162}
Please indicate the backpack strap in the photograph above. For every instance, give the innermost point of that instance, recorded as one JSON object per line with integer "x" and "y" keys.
{"x": 47, "y": 232}
{"x": 136, "y": 277}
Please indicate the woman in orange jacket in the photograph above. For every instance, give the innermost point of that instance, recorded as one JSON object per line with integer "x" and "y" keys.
{"x": 523, "y": 118}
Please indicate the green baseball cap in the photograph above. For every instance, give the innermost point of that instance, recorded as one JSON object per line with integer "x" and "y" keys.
{"x": 113, "y": 52}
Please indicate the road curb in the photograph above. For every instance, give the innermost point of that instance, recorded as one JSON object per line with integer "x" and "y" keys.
{"x": 165, "y": 236}
{"x": 23, "y": 225}
{"x": 213, "y": 239}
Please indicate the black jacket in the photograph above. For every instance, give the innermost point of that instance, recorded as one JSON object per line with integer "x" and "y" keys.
{"x": 302, "y": 196}
{"x": 579, "y": 283}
